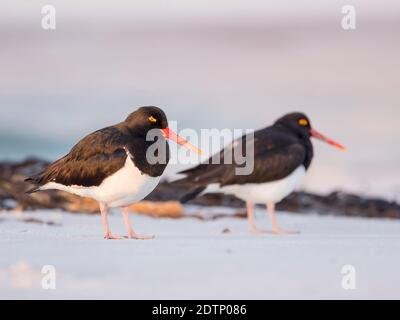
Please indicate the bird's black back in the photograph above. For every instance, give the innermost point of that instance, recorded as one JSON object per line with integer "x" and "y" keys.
{"x": 278, "y": 151}
{"x": 100, "y": 155}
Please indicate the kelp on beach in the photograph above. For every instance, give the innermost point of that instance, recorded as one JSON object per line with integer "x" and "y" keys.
{"x": 164, "y": 201}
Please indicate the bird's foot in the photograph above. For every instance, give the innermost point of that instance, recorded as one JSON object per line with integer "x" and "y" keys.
{"x": 279, "y": 231}
{"x": 110, "y": 236}
{"x": 254, "y": 230}
{"x": 135, "y": 236}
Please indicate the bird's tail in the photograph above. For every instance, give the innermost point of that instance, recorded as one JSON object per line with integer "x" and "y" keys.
{"x": 36, "y": 188}
{"x": 191, "y": 189}
{"x": 191, "y": 194}
{"x": 196, "y": 181}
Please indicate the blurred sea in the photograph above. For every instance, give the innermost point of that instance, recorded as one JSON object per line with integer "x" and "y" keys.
{"x": 233, "y": 66}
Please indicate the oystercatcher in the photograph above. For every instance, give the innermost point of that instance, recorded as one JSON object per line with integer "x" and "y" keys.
{"x": 112, "y": 165}
{"x": 282, "y": 154}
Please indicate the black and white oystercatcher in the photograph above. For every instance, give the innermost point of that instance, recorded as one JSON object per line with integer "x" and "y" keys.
{"x": 282, "y": 154}
{"x": 111, "y": 165}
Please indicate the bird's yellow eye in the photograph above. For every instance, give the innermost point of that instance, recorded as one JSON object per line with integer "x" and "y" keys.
{"x": 152, "y": 119}
{"x": 303, "y": 122}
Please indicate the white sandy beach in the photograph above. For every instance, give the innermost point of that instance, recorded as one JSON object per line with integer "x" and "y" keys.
{"x": 194, "y": 259}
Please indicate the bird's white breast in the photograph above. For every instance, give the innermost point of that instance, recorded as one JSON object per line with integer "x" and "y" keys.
{"x": 274, "y": 191}
{"x": 124, "y": 187}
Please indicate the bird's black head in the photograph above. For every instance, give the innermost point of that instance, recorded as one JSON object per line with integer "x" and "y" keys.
{"x": 297, "y": 122}
{"x": 145, "y": 119}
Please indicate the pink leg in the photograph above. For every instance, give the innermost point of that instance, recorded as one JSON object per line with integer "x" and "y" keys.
{"x": 106, "y": 225}
{"x": 252, "y": 223}
{"x": 131, "y": 233}
{"x": 275, "y": 228}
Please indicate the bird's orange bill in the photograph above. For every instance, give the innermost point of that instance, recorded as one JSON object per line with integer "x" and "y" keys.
{"x": 316, "y": 134}
{"x": 169, "y": 134}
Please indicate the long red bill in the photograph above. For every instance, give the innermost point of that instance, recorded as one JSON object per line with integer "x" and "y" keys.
{"x": 171, "y": 135}
{"x": 316, "y": 134}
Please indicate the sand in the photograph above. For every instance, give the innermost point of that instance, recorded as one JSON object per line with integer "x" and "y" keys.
{"x": 192, "y": 259}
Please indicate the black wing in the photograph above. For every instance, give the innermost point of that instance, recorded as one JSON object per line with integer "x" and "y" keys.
{"x": 94, "y": 158}
{"x": 276, "y": 155}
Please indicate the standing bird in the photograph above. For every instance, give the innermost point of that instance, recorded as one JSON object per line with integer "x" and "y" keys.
{"x": 112, "y": 165}
{"x": 282, "y": 154}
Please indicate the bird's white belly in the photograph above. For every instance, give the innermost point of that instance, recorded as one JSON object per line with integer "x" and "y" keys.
{"x": 126, "y": 186}
{"x": 274, "y": 191}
